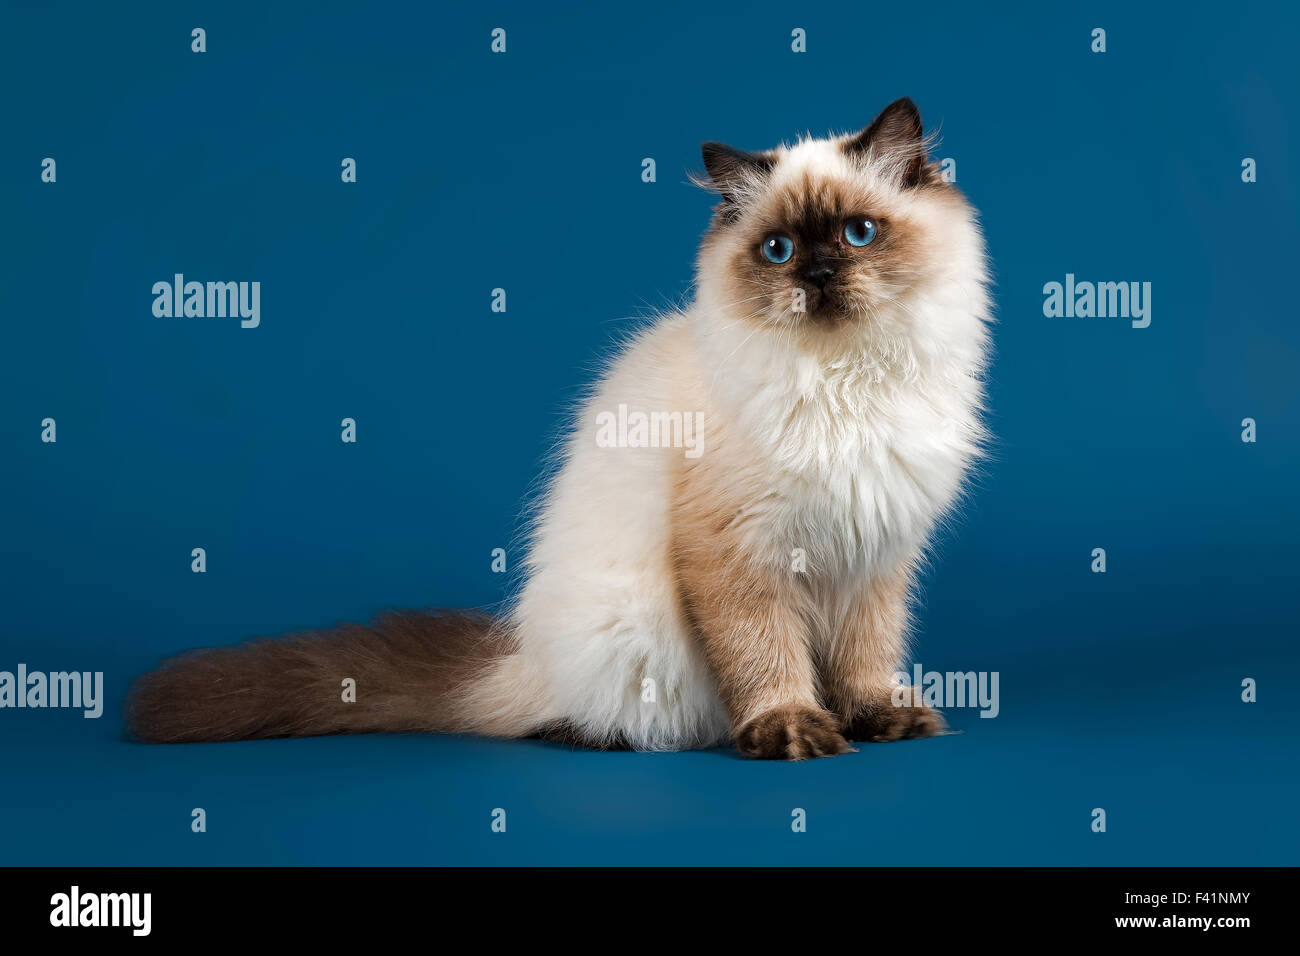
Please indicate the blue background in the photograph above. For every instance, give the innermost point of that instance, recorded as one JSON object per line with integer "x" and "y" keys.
{"x": 522, "y": 171}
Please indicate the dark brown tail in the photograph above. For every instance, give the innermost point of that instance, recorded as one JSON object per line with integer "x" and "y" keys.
{"x": 412, "y": 672}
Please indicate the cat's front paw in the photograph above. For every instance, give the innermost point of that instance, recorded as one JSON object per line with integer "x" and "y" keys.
{"x": 887, "y": 723}
{"x": 791, "y": 733}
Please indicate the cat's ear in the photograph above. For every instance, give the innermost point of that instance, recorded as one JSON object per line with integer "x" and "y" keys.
{"x": 894, "y": 140}
{"x": 732, "y": 170}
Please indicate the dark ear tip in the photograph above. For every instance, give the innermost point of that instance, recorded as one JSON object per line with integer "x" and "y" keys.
{"x": 905, "y": 105}
{"x": 728, "y": 166}
{"x": 713, "y": 152}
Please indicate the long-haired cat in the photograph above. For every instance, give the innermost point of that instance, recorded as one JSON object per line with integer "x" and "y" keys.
{"x": 752, "y": 587}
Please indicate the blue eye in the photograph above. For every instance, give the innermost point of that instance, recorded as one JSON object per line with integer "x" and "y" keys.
{"x": 778, "y": 248}
{"x": 860, "y": 231}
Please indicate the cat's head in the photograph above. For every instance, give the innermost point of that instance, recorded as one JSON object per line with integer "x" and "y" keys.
{"x": 832, "y": 237}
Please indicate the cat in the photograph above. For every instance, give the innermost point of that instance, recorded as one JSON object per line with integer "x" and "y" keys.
{"x": 755, "y": 593}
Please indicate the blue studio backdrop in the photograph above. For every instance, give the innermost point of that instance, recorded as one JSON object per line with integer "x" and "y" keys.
{"x": 522, "y": 170}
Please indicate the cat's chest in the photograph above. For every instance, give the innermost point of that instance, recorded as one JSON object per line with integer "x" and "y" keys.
{"x": 862, "y": 476}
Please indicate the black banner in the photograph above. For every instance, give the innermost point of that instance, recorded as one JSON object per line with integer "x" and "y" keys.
{"x": 1168, "y": 905}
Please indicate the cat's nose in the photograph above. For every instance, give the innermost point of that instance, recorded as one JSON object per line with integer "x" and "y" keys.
{"x": 819, "y": 275}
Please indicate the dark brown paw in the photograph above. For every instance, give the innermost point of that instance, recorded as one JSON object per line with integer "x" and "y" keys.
{"x": 791, "y": 733}
{"x": 886, "y": 723}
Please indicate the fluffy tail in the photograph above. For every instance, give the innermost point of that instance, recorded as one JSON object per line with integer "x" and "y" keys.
{"x": 412, "y": 671}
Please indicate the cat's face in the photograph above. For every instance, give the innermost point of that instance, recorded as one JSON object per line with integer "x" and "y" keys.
{"x": 828, "y": 236}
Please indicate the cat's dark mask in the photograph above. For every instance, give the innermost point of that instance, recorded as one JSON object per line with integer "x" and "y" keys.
{"x": 817, "y": 231}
